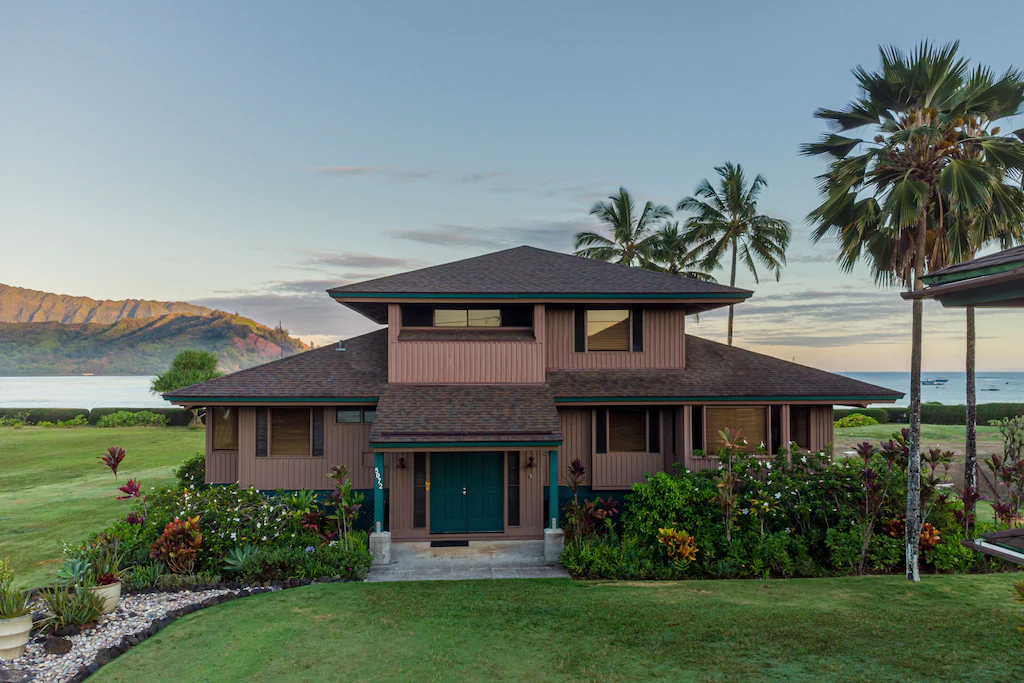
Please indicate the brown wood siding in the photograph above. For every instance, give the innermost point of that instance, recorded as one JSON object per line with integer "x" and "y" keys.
{"x": 221, "y": 467}
{"x": 664, "y": 343}
{"x": 400, "y": 492}
{"x": 622, "y": 470}
{"x": 532, "y": 480}
{"x": 821, "y": 427}
{"x": 465, "y": 362}
{"x": 577, "y": 430}
{"x": 344, "y": 444}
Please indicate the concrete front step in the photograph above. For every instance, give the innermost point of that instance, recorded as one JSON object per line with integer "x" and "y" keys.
{"x": 417, "y": 561}
{"x": 389, "y": 573}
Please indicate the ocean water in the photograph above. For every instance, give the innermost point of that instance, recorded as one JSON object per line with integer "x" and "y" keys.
{"x": 76, "y": 391}
{"x": 133, "y": 392}
{"x": 992, "y": 387}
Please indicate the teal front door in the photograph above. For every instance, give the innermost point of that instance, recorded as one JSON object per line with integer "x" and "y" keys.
{"x": 466, "y": 492}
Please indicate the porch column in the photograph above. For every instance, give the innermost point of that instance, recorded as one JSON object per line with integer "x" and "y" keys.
{"x": 380, "y": 540}
{"x": 378, "y": 491}
{"x": 554, "y": 540}
{"x": 553, "y": 488}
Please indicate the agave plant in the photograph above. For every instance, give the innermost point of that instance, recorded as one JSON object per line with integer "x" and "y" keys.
{"x": 75, "y": 572}
{"x": 236, "y": 558}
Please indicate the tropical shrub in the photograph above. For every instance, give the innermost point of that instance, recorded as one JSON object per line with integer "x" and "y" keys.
{"x": 310, "y": 561}
{"x": 14, "y": 602}
{"x": 191, "y": 474}
{"x": 236, "y": 558}
{"x": 70, "y": 606}
{"x": 179, "y": 545}
{"x": 128, "y": 418}
{"x": 855, "y": 420}
{"x": 77, "y": 421}
{"x": 177, "y": 582}
{"x": 143, "y": 576}
{"x": 17, "y": 421}
{"x": 880, "y": 415}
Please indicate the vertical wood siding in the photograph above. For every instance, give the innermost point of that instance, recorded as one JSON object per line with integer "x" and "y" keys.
{"x": 400, "y": 492}
{"x": 344, "y": 444}
{"x": 664, "y": 343}
{"x": 622, "y": 470}
{"x": 531, "y": 489}
{"x": 221, "y": 467}
{"x": 821, "y": 427}
{"x": 464, "y": 362}
{"x": 578, "y": 443}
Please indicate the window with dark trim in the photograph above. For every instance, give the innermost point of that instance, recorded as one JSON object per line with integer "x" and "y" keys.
{"x": 627, "y": 430}
{"x": 354, "y": 415}
{"x": 463, "y": 317}
{"x": 750, "y": 421}
{"x": 776, "y": 430}
{"x": 601, "y": 427}
{"x": 697, "y": 427}
{"x": 513, "y": 488}
{"x": 800, "y": 426}
{"x": 290, "y": 432}
{"x": 608, "y": 329}
{"x": 654, "y": 430}
{"x": 225, "y": 428}
{"x": 419, "y": 490}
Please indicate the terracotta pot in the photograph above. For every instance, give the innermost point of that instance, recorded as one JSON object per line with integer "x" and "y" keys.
{"x": 111, "y": 595}
{"x": 14, "y": 636}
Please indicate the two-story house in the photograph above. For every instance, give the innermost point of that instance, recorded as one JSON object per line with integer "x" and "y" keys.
{"x": 495, "y": 372}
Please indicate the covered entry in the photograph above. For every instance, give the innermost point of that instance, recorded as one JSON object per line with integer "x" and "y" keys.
{"x": 467, "y": 492}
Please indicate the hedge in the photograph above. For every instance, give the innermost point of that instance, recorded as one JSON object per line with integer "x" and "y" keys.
{"x": 938, "y": 414}
{"x": 177, "y": 417}
{"x": 49, "y": 414}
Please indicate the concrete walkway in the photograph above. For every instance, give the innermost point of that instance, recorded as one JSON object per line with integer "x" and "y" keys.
{"x": 480, "y": 560}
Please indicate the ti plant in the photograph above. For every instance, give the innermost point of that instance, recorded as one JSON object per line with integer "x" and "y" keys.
{"x": 876, "y": 491}
{"x": 347, "y": 503}
{"x": 1006, "y": 472}
{"x": 574, "y": 475}
{"x": 112, "y": 458}
{"x": 733, "y": 444}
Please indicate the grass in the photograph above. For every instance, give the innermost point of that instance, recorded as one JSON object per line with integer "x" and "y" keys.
{"x": 854, "y": 628}
{"x": 54, "y": 488}
{"x": 928, "y": 432}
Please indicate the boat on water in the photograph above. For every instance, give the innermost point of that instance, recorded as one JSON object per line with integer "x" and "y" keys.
{"x": 934, "y": 381}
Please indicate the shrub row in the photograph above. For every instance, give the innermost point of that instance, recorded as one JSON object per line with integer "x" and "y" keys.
{"x": 177, "y": 417}
{"x": 937, "y": 413}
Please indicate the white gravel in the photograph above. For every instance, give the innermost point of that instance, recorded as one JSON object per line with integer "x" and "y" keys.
{"x": 134, "y": 614}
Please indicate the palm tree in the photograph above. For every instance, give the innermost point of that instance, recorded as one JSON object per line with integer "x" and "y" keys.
{"x": 675, "y": 253}
{"x": 632, "y": 239}
{"x": 932, "y": 151}
{"x": 727, "y": 220}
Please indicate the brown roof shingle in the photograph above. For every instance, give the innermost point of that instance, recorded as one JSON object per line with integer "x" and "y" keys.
{"x": 502, "y": 413}
{"x": 715, "y": 371}
{"x": 359, "y": 371}
{"x": 532, "y": 271}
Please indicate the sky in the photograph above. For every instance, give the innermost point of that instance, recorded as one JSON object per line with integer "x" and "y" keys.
{"x": 247, "y": 156}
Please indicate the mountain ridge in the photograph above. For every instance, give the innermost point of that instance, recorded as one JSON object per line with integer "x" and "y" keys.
{"x": 55, "y": 334}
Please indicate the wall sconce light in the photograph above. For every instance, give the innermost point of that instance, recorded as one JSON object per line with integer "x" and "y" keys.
{"x": 530, "y": 463}
{"x": 401, "y": 462}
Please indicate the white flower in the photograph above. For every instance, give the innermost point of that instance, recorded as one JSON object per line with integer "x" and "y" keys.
{"x": 778, "y": 495}
{"x": 803, "y": 458}
{"x": 768, "y": 465}
{"x": 745, "y": 511}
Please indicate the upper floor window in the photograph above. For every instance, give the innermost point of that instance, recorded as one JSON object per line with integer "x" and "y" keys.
{"x": 607, "y": 329}
{"x": 354, "y": 415}
{"x": 225, "y": 428}
{"x": 628, "y": 430}
{"x": 484, "y": 317}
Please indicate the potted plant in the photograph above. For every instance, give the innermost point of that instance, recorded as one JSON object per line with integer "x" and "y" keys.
{"x": 108, "y": 573}
{"x": 15, "y": 621}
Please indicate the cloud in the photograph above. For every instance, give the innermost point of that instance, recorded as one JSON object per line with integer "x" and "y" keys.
{"x": 556, "y": 235}
{"x": 353, "y": 260}
{"x": 347, "y": 170}
{"x": 480, "y": 176}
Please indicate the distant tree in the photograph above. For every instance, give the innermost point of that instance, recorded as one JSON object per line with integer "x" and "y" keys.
{"x": 727, "y": 220}
{"x": 188, "y": 367}
{"x": 632, "y": 240}
{"x": 675, "y": 253}
{"x": 928, "y": 149}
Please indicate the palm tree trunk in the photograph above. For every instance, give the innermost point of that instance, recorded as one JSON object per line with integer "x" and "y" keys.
{"x": 913, "y": 526}
{"x": 732, "y": 283}
{"x": 971, "y": 450}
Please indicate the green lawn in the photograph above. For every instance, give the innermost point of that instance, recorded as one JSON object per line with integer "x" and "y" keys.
{"x": 928, "y": 432}
{"x": 54, "y": 489}
{"x": 857, "y": 628}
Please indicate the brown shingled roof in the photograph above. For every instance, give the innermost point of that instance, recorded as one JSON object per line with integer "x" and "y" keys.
{"x": 715, "y": 371}
{"x": 469, "y": 413}
{"x": 359, "y": 371}
{"x": 532, "y": 271}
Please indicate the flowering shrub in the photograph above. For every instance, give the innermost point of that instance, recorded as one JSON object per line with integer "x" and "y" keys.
{"x": 179, "y": 545}
{"x": 191, "y": 474}
{"x": 793, "y": 514}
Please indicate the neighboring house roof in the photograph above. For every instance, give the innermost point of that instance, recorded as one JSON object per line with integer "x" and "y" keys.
{"x": 993, "y": 281}
{"x": 360, "y": 371}
{"x": 528, "y": 273}
{"x": 507, "y": 414}
{"x": 1007, "y": 544}
{"x": 713, "y": 371}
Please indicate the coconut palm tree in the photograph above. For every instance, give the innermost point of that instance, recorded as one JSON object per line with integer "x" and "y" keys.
{"x": 933, "y": 150}
{"x": 674, "y": 252}
{"x": 727, "y": 220}
{"x": 632, "y": 240}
